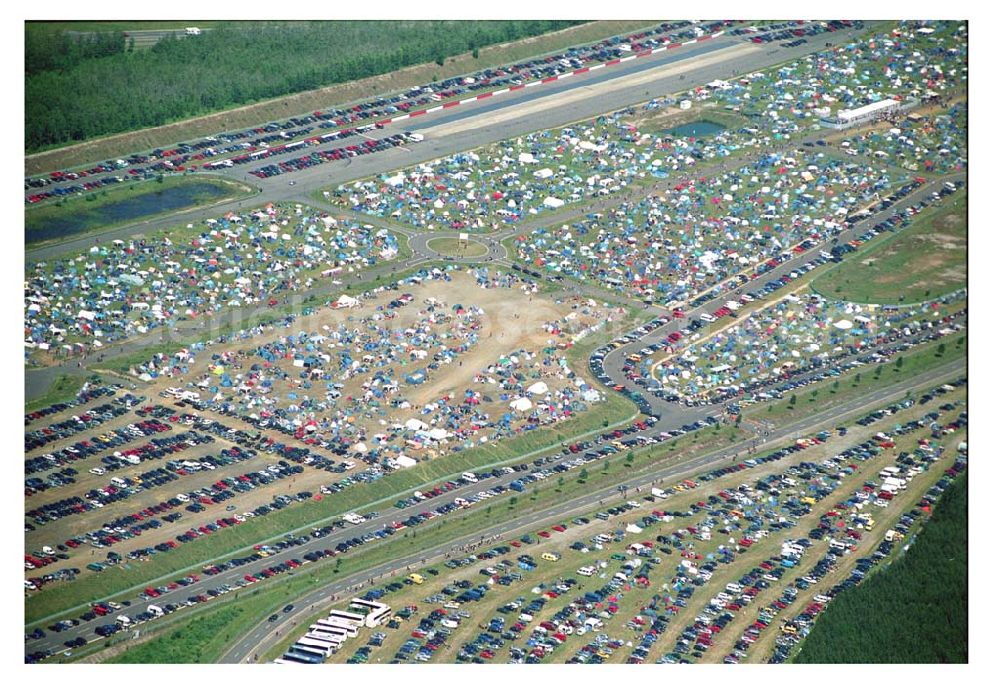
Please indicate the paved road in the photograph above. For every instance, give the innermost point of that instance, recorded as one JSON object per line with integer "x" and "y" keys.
{"x": 53, "y": 641}
{"x": 259, "y": 639}
{"x": 672, "y": 415}
{"x": 607, "y": 90}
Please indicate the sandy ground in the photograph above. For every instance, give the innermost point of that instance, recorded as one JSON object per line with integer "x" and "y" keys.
{"x": 512, "y": 320}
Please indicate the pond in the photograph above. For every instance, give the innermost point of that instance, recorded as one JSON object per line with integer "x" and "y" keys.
{"x": 698, "y": 130}
{"x": 54, "y": 222}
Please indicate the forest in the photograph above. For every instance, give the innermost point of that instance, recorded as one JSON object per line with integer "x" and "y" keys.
{"x": 77, "y": 88}
{"x": 916, "y": 610}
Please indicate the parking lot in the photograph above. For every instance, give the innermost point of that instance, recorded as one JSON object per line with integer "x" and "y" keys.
{"x": 445, "y": 615}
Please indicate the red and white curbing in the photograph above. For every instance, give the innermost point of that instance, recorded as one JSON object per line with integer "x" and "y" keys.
{"x": 546, "y": 80}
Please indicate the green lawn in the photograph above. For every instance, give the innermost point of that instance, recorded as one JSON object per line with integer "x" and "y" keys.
{"x": 923, "y": 261}
{"x": 202, "y": 638}
{"x": 456, "y": 248}
{"x": 63, "y": 388}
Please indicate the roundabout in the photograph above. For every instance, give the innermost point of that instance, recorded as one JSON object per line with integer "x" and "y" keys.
{"x": 453, "y": 247}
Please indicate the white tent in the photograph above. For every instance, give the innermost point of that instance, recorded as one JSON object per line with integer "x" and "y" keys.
{"x": 405, "y": 462}
{"x": 416, "y": 425}
{"x": 538, "y": 388}
{"x": 521, "y": 404}
{"x": 346, "y": 301}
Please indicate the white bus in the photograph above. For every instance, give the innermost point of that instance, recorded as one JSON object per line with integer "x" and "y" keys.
{"x": 352, "y": 619}
{"x": 377, "y": 612}
{"x": 326, "y": 648}
{"x": 323, "y": 636}
{"x": 304, "y": 655}
{"x": 322, "y": 631}
{"x": 339, "y": 625}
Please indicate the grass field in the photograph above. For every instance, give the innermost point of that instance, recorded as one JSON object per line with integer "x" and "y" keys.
{"x": 307, "y": 101}
{"x": 456, "y": 248}
{"x": 921, "y": 262}
{"x": 914, "y": 611}
{"x": 109, "y": 208}
{"x": 200, "y": 639}
{"x": 63, "y": 388}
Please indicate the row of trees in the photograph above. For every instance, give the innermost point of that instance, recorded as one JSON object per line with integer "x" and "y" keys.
{"x": 914, "y": 611}
{"x": 77, "y": 89}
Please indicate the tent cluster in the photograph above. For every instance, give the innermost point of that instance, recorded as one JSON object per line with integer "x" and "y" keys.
{"x": 902, "y": 64}
{"x": 795, "y": 332}
{"x": 369, "y": 381}
{"x": 507, "y": 181}
{"x": 117, "y": 290}
{"x": 675, "y": 245}
{"x": 933, "y": 143}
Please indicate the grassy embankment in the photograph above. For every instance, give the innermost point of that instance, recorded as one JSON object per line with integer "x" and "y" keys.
{"x": 63, "y": 388}
{"x": 925, "y": 260}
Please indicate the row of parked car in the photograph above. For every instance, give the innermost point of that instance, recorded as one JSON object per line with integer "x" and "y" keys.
{"x": 813, "y": 29}
{"x": 40, "y": 437}
{"x": 85, "y": 448}
{"x": 86, "y": 395}
{"x": 272, "y": 137}
{"x": 795, "y": 629}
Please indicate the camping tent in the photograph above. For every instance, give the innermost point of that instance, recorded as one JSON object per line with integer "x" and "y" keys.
{"x": 538, "y": 388}
{"x": 521, "y": 404}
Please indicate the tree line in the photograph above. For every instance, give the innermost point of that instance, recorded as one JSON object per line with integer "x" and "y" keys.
{"x": 78, "y": 88}
{"x": 916, "y": 610}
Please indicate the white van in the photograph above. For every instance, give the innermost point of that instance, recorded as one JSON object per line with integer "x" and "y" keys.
{"x": 470, "y": 477}
{"x": 586, "y": 571}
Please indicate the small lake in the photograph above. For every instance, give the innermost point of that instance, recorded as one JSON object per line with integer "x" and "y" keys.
{"x": 698, "y": 130}
{"x": 41, "y": 226}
